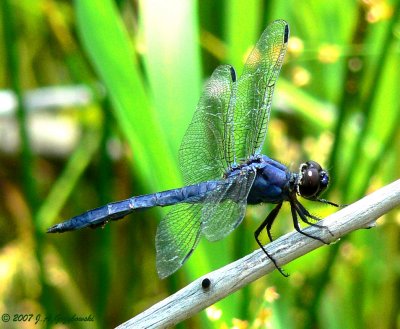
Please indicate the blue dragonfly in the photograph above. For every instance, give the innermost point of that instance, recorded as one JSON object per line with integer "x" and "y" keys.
{"x": 222, "y": 165}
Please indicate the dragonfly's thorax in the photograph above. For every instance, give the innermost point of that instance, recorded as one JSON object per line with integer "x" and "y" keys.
{"x": 274, "y": 183}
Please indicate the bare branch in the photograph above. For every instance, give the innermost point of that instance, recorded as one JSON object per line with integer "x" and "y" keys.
{"x": 228, "y": 279}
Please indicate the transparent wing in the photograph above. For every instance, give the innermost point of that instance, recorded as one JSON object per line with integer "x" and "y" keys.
{"x": 177, "y": 236}
{"x": 225, "y": 207}
{"x": 255, "y": 89}
{"x": 207, "y": 146}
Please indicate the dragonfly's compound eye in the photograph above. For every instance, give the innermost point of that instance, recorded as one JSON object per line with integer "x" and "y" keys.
{"x": 313, "y": 180}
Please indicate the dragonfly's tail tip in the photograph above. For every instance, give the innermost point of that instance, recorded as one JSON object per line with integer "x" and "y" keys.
{"x": 54, "y": 229}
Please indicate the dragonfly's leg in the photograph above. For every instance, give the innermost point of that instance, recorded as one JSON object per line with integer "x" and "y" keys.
{"x": 331, "y": 203}
{"x": 301, "y": 208}
{"x": 270, "y": 220}
{"x": 303, "y": 211}
{"x": 267, "y": 223}
{"x": 296, "y": 222}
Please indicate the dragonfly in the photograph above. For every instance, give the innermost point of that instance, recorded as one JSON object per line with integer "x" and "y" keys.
{"x": 222, "y": 166}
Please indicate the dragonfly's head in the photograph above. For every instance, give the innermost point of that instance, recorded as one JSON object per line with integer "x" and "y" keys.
{"x": 312, "y": 180}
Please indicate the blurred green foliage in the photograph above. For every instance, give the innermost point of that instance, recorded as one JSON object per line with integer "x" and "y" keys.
{"x": 144, "y": 62}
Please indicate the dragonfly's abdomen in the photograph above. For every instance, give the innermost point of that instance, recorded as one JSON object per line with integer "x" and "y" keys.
{"x": 117, "y": 210}
{"x": 270, "y": 184}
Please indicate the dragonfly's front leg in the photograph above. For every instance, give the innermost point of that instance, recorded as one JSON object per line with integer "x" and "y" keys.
{"x": 296, "y": 225}
{"x": 304, "y": 213}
